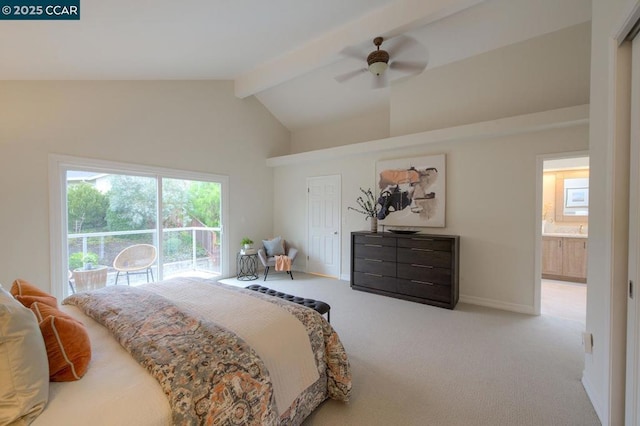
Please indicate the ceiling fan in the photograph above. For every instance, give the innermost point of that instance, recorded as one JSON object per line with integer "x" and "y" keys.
{"x": 380, "y": 63}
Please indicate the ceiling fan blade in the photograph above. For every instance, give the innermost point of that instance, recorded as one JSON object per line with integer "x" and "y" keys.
{"x": 349, "y": 75}
{"x": 407, "y": 66}
{"x": 379, "y": 81}
{"x": 352, "y": 52}
{"x": 399, "y": 44}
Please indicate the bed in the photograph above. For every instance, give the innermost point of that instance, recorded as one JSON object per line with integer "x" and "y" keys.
{"x": 192, "y": 351}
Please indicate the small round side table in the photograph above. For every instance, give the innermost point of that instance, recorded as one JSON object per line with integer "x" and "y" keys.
{"x": 247, "y": 266}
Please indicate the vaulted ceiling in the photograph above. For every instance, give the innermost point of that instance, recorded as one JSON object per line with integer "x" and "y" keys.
{"x": 285, "y": 52}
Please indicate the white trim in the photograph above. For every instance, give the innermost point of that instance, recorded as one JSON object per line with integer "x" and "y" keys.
{"x": 632, "y": 385}
{"x": 537, "y": 259}
{"x": 57, "y": 233}
{"x": 345, "y": 277}
{"x": 58, "y": 164}
{"x": 521, "y": 124}
{"x": 627, "y": 20}
{"x": 497, "y": 304}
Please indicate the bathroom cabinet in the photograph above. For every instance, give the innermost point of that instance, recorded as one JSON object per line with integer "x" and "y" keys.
{"x": 564, "y": 258}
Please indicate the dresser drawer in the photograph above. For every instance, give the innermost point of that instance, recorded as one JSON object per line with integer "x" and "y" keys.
{"x": 374, "y": 281}
{"x": 417, "y": 267}
{"x": 425, "y": 256}
{"x": 375, "y": 266}
{"x": 426, "y": 243}
{"x": 374, "y": 251}
{"x": 375, "y": 239}
{"x": 412, "y": 271}
{"x": 417, "y": 288}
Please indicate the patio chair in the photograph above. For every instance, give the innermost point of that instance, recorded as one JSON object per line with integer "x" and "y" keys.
{"x": 136, "y": 259}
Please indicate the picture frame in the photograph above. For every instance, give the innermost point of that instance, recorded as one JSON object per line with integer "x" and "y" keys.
{"x": 576, "y": 197}
{"x": 412, "y": 191}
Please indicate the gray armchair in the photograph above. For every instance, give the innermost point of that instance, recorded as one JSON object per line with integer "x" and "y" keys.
{"x": 270, "y": 261}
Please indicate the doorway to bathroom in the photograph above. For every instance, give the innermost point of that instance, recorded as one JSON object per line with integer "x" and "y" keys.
{"x": 565, "y": 236}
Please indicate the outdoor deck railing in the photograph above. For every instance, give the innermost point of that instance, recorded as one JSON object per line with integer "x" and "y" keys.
{"x": 211, "y": 246}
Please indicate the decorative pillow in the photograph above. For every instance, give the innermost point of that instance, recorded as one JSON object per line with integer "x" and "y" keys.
{"x": 67, "y": 343}
{"x": 28, "y": 293}
{"x": 42, "y": 311}
{"x": 274, "y": 247}
{"x": 24, "y": 371}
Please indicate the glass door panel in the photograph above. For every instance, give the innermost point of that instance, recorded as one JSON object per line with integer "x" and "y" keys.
{"x": 190, "y": 228}
{"x": 107, "y": 213}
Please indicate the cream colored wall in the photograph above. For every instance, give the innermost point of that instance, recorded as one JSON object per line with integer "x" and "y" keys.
{"x": 544, "y": 73}
{"x": 363, "y": 127}
{"x": 490, "y": 203}
{"x": 197, "y": 125}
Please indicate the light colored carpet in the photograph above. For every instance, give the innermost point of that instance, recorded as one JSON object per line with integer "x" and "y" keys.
{"x": 415, "y": 364}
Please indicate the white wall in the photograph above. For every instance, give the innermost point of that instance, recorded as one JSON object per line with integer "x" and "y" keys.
{"x": 363, "y": 127}
{"x": 544, "y": 73}
{"x": 196, "y": 125}
{"x": 490, "y": 203}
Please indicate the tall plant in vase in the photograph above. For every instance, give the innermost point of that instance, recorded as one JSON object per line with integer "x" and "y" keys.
{"x": 369, "y": 207}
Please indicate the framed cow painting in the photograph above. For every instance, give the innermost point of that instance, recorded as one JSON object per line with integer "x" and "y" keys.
{"x": 411, "y": 191}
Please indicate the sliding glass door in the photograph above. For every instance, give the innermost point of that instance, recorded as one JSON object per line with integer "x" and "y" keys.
{"x": 132, "y": 227}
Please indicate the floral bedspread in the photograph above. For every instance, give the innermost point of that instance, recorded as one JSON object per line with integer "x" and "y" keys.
{"x": 209, "y": 374}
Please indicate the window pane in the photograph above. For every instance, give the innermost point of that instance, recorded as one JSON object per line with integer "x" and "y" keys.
{"x": 191, "y": 228}
{"x": 107, "y": 213}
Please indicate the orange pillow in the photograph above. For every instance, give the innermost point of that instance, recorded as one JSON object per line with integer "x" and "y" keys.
{"x": 67, "y": 343}
{"x": 27, "y": 293}
{"x": 42, "y": 311}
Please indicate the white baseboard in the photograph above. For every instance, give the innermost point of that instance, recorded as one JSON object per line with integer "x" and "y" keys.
{"x": 345, "y": 277}
{"x": 588, "y": 387}
{"x": 497, "y": 304}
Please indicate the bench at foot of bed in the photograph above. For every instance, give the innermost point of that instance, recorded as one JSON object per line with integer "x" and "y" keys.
{"x": 317, "y": 305}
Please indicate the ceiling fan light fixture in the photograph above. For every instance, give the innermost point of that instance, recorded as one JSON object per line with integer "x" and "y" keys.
{"x": 377, "y": 68}
{"x": 378, "y": 60}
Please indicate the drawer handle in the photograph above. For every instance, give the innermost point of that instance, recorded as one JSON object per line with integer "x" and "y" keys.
{"x": 423, "y": 239}
{"x": 421, "y": 249}
{"x": 373, "y": 275}
{"x": 422, "y": 282}
{"x": 373, "y": 245}
{"x": 421, "y": 266}
{"x": 372, "y": 260}
{"x": 373, "y": 236}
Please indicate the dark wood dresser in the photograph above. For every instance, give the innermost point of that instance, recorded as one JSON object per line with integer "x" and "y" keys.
{"x": 418, "y": 267}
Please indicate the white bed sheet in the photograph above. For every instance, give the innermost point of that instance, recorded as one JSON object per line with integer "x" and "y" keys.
{"x": 116, "y": 390}
{"x": 277, "y": 336}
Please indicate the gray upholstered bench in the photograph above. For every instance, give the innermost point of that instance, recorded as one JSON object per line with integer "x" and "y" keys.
{"x": 317, "y": 305}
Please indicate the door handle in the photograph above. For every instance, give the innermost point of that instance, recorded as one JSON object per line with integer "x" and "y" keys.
{"x": 335, "y": 232}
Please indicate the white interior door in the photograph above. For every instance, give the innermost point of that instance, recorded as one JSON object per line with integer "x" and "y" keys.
{"x": 323, "y": 201}
{"x": 633, "y": 299}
